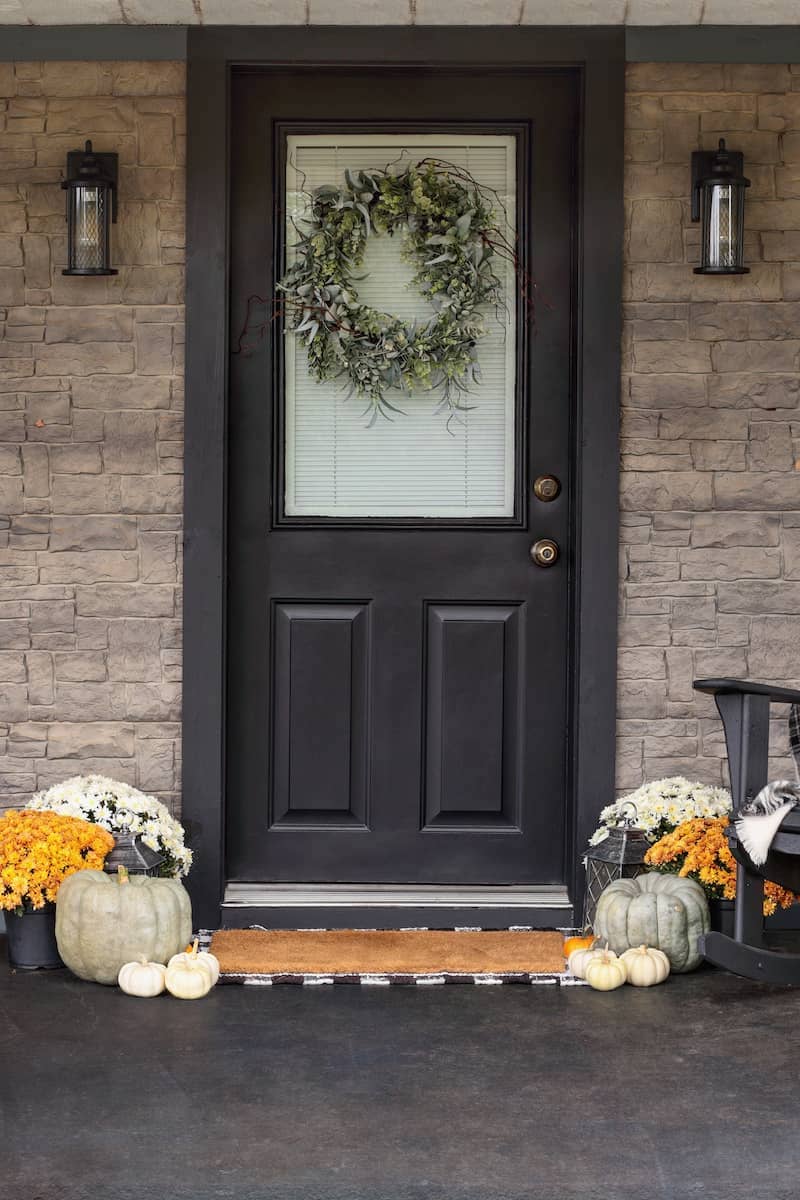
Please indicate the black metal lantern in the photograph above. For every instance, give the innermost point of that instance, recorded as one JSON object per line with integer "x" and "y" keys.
{"x": 91, "y": 187}
{"x": 131, "y": 852}
{"x": 718, "y": 188}
{"x": 618, "y": 856}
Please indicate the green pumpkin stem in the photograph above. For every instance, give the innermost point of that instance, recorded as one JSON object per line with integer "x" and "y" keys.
{"x": 122, "y": 874}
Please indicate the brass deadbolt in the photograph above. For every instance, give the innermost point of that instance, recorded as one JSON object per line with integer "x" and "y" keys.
{"x": 544, "y": 552}
{"x": 546, "y": 488}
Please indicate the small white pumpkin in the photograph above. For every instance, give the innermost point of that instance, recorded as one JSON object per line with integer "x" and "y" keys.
{"x": 192, "y": 954}
{"x": 646, "y": 966}
{"x": 579, "y": 960}
{"x": 606, "y": 972}
{"x": 188, "y": 980}
{"x": 142, "y": 978}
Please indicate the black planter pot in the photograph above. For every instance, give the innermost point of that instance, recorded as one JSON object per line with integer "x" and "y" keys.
{"x": 32, "y": 939}
{"x": 722, "y": 916}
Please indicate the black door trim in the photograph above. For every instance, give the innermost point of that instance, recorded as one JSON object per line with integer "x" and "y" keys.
{"x": 212, "y": 54}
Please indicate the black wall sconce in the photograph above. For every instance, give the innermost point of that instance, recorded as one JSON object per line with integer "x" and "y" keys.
{"x": 718, "y": 188}
{"x": 91, "y": 187}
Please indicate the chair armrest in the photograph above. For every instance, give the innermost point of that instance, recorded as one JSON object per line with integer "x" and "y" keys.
{"x": 743, "y": 687}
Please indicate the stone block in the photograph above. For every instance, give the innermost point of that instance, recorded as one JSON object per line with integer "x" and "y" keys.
{"x": 148, "y": 78}
{"x": 667, "y": 391}
{"x": 74, "y": 494}
{"x": 14, "y": 634}
{"x": 755, "y": 356}
{"x": 662, "y": 358}
{"x": 12, "y": 667}
{"x": 134, "y": 651}
{"x": 10, "y": 250}
{"x": 765, "y": 391}
{"x": 152, "y": 494}
{"x": 774, "y": 650}
{"x": 89, "y": 324}
{"x": 98, "y": 114}
{"x": 88, "y": 358}
{"x": 83, "y": 459}
{"x": 96, "y": 739}
{"x": 683, "y": 490}
{"x": 90, "y": 566}
{"x": 11, "y": 500}
{"x": 130, "y": 443}
{"x": 40, "y": 678}
{"x": 721, "y": 531}
{"x": 760, "y": 491}
{"x": 675, "y": 77}
{"x": 158, "y": 557}
{"x": 739, "y": 562}
{"x": 137, "y": 237}
{"x": 12, "y": 285}
{"x": 156, "y": 140}
{"x": 90, "y": 701}
{"x": 694, "y": 614}
{"x": 91, "y": 633}
{"x": 156, "y": 766}
{"x": 153, "y": 702}
{"x": 82, "y": 665}
{"x": 641, "y": 663}
{"x": 154, "y": 351}
{"x": 52, "y": 616}
{"x": 123, "y": 392}
{"x": 93, "y": 533}
{"x": 719, "y": 456}
{"x": 698, "y": 424}
{"x": 747, "y": 77}
{"x": 759, "y": 597}
{"x": 655, "y": 231}
{"x": 771, "y": 447}
{"x": 135, "y": 600}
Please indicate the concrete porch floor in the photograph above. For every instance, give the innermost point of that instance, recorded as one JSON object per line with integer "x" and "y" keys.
{"x": 344, "y": 1093}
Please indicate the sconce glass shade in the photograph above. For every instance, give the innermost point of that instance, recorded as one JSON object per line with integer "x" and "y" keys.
{"x": 91, "y": 188}
{"x": 718, "y": 203}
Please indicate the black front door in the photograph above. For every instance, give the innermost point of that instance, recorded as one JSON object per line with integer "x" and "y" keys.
{"x": 397, "y": 692}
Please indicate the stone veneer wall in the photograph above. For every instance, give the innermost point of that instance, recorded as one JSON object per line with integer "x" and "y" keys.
{"x": 710, "y": 570}
{"x": 90, "y": 434}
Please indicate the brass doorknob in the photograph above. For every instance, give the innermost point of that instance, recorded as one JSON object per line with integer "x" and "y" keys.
{"x": 545, "y": 552}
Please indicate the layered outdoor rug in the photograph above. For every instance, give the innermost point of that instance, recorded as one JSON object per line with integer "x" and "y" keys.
{"x": 387, "y": 956}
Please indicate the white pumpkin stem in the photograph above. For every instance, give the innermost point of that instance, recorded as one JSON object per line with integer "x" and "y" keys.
{"x": 193, "y": 950}
{"x": 122, "y": 874}
{"x": 142, "y": 958}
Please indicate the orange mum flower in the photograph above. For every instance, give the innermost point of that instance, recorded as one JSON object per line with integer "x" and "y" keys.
{"x": 699, "y": 849}
{"x": 38, "y": 850}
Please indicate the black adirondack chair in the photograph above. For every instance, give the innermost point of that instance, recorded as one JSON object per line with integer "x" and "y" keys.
{"x": 744, "y": 708}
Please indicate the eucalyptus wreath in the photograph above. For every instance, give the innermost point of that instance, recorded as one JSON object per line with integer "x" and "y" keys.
{"x": 449, "y": 232}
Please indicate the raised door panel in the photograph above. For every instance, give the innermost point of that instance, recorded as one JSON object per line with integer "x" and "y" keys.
{"x": 320, "y": 715}
{"x": 473, "y": 724}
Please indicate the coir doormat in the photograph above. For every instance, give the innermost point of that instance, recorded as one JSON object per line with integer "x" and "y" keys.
{"x": 387, "y": 956}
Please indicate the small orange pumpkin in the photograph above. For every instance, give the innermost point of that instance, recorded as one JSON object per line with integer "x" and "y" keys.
{"x": 584, "y": 942}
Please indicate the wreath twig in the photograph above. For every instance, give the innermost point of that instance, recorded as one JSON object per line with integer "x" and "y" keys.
{"x": 450, "y": 233}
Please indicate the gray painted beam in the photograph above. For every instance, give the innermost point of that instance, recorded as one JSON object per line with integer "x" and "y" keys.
{"x": 92, "y": 43}
{"x": 650, "y": 43}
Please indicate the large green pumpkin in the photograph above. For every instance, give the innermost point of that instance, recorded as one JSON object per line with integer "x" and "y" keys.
{"x": 663, "y": 911}
{"x": 102, "y": 923}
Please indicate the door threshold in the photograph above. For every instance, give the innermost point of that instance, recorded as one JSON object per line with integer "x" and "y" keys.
{"x": 391, "y": 895}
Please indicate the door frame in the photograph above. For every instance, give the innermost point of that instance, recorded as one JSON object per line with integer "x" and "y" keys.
{"x": 598, "y": 54}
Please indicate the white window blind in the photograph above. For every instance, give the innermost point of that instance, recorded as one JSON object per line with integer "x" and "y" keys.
{"x": 417, "y": 464}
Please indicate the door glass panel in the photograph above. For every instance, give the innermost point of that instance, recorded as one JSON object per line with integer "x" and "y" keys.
{"x": 419, "y": 464}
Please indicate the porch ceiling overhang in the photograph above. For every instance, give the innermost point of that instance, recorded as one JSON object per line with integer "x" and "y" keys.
{"x": 398, "y": 12}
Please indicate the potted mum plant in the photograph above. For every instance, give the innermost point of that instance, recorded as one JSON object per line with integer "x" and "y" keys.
{"x": 122, "y": 810}
{"x": 698, "y": 849}
{"x": 662, "y": 805}
{"x": 38, "y": 850}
